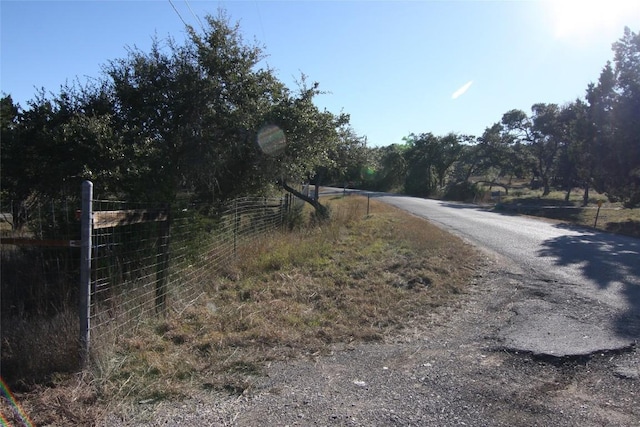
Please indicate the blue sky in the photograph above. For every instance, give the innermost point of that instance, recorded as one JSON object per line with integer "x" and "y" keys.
{"x": 397, "y": 67}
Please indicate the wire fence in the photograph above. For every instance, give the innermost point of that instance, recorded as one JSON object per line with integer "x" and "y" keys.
{"x": 140, "y": 269}
{"x": 144, "y": 259}
{"x": 39, "y": 257}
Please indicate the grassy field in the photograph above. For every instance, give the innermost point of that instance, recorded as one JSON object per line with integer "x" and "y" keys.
{"x": 358, "y": 278}
{"x": 611, "y": 217}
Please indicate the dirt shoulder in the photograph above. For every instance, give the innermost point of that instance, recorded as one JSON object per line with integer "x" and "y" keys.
{"x": 447, "y": 368}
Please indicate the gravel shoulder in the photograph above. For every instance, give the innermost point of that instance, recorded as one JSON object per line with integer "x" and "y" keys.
{"x": 454, "y": 367}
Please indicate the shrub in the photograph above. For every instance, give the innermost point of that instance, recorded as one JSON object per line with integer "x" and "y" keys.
{"x": 463, "y": 191}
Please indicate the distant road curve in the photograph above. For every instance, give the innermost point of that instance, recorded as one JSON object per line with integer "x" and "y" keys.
{"x": 598, "y": 272}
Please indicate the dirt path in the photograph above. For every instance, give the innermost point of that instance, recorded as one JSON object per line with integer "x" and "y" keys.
{"x": 452, "y": 368}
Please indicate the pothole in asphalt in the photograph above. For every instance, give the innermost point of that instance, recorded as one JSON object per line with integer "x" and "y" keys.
{"x": 541, "y": 333}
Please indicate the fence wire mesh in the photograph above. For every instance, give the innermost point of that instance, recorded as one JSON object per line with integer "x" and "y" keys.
{"x": 138, "y": 267}
{"x": 142, "y": 268}
{"x": 38, "y": 256}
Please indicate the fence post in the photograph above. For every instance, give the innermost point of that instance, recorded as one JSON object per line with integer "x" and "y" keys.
{"x": 162, "y": 264}
{"x": 86, "y": 218}
{"x": 236, "y": 225}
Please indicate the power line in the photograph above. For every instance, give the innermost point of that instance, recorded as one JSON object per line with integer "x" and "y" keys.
{"x": 194, "y": 15}
{"x": 176, "y": 10}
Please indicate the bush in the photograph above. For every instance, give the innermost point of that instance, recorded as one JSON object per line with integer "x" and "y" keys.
{"x": 463, "y": 191}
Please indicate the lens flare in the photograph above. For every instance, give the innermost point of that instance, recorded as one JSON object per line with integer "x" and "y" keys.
{"x": 271, "y": 140}
{"x": 17, "y": 409}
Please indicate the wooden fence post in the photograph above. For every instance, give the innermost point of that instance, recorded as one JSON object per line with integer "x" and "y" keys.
{"x": 86, "y": 220}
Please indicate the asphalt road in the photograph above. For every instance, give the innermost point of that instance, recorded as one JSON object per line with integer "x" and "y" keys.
{"x": 584, "y": 285}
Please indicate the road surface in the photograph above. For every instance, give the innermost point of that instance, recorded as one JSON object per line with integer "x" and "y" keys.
{"x": 584, "y": 284}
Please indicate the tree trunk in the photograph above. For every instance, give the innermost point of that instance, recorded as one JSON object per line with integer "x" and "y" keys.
{"x": 545, "y": 186}
{"x": 585, "y": 197}
{"x": 322, "y": 212}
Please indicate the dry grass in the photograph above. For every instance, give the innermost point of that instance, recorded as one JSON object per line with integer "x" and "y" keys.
{"x": 356, "y": 279}
{"x": 33, "y": 348}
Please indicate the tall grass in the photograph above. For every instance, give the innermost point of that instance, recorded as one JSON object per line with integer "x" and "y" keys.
{"x": 356, "y": 278}
{"x": 39, "y": 321}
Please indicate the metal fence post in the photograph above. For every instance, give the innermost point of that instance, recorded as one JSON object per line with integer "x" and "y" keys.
{"x": 86, "y": 217}
{"x": 162, "y": 262}
{"x": 236, "y": 225}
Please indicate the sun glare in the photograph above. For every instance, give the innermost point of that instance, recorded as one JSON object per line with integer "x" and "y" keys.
{"x": 584, "y": 19}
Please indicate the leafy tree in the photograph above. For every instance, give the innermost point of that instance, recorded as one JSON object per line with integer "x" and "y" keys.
{"x": 448, "y": 153}
{"x": 52, "y": 146}
{"x": 350, "y": 157}
{"x": 9, "y": 140}
{"x": 180, "y": 117}
{"x": 429, "y": 158}
{"x": 541, "y": 134}
{"x": 189, "y": 113}
{"x": 391, "y": 167}
{"x": 312, "y": 141}
{"x": 500, "y": 154}
{"x": 575, "y": 161}
{"x": 614, "y": 111}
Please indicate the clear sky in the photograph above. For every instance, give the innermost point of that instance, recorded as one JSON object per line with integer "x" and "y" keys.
{"x": 397, "y": 67}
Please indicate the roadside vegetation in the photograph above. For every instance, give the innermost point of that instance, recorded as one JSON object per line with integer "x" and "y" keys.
{"x": 190, "y": 119}
{"x": 358, "y": 278}
{"x": 587, "y": 145}
{"x": 599, "y": 213}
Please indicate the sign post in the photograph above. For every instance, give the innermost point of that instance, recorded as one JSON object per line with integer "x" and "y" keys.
{"x": 595, "y": 223}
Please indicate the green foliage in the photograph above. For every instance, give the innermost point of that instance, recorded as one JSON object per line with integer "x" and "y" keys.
{"x": 190, "y": 113}
{"x": 429, "y": 159}
{"x": 463, "y": 191}
{"x": 315, "y": 138}
{"x": 351, "y": 159}
{"x": 541, "y": 134}
{"x": 179, "y": 118}
{"x": 614, "y": 103}
{"x": 390, "y": 167}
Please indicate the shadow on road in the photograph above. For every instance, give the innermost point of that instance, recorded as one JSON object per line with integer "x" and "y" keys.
{"x": 605, "y": 259}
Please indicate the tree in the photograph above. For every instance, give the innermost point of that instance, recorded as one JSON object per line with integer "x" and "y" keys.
{"x": 9, "y": 140}
{"x": 312, "y": 137}
{"x": 349, "y": 157}
{"x": 58, "y": 141}
{"x": 429, "y": 159}
{"x": 575, "y": 161}
{"x": 189, "y": 114}
{"x": 179, "y": 118}
{"x": 391, "y": 167}
{"x": 614, "y": 110}
{"x": 540, "y": 133}
{"x": 500, "y": 154}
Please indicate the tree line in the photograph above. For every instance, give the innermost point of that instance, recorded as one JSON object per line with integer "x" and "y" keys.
{"x": 183, "y": 120}
{"x": 179, "y": 119}
{"x": 590, "y": 143}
